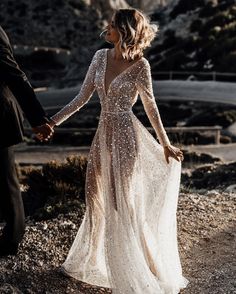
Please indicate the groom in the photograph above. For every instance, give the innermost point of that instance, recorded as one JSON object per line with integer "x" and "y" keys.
{"x": 16, "y": 95}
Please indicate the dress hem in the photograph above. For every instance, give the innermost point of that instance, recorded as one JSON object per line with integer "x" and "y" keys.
{"x": 68, "y": 274}
{"x": 73, "y": 275}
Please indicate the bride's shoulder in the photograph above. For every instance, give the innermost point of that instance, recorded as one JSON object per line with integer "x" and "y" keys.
{"x": 98, "y": 55}
{"x": 145, "y": 62}
{"x": 99, "y": 52}
{"x": 144, "y": 66}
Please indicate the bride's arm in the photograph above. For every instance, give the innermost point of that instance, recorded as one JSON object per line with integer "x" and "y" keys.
{"x": 83, "y": 96}
{"x": 144, "y": 87}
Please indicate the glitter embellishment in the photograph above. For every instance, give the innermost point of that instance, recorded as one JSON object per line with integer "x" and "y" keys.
{"x": 127, "y": 239}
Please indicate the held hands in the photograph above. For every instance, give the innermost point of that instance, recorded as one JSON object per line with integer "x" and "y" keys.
{"x": 171, "y": 151}
{"x": 43, "y": 132}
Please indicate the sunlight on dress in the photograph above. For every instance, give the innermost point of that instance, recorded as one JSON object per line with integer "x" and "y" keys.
{"x": 127, "y": 240}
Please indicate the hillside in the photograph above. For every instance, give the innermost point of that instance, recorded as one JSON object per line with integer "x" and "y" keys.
{"x": 196, "y": 36}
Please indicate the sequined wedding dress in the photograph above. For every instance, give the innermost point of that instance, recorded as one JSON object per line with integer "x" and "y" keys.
{"x": 128, "y": 237}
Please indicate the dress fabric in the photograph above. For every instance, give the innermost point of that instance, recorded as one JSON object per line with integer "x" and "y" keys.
{"x": 127, "y": 240}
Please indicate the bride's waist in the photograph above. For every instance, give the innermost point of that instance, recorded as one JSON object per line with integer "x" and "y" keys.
{"x": 116, "y": 112}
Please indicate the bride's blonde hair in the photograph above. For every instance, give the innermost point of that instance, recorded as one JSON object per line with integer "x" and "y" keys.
{"x": 135, "y": 30}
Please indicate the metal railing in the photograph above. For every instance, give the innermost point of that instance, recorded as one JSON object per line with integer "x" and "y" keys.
{"x": 160, "y": 75}
{"x": 194, "y": 75}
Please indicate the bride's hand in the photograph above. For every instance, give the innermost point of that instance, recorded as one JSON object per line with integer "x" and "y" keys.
{"x": 43, "y": 132}
{"x": 171, "y": 151}
{"x": 52, "y": 123}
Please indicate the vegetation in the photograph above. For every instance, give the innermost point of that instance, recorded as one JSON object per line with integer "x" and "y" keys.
{"x": 56, "y": 188}
{"x": 208, "y": 42}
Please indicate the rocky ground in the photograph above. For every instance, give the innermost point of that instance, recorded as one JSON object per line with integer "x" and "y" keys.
{"x": 206, "y": 219}
{"x": 206, "y": 234}
{"x": 206, "y": 224}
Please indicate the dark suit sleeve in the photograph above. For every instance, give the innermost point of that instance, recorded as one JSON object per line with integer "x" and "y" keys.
{"x": 19, "y": 85}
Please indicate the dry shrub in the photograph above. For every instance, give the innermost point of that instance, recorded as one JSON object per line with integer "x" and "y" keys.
{"x": 57, "y": 188}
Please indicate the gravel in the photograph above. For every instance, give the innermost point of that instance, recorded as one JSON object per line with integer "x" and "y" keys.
{"x": 206, "y": 235}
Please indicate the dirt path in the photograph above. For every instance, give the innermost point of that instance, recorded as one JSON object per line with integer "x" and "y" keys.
{"x": 206, "y": 234}
{"x": 39, "y": 154}
{"x": 211, "y": 265}
{"x": 207, "y": 226}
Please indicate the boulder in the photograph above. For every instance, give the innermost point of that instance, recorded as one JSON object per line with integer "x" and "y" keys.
{"x": 212, "y": 176}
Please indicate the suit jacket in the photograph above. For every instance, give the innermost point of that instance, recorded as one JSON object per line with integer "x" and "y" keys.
{"x": 16, "y": 97}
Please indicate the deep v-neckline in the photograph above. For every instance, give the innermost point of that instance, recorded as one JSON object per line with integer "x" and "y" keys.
{"x": 106, "y": 91}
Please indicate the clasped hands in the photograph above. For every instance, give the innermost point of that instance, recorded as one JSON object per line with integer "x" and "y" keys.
{"x": 43, "y": 132}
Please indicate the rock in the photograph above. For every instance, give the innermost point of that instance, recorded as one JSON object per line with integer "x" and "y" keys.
{"x": 231, "y": 188}
{"x": 44, "y": 66}
{"x": 196, "y": 157}
{"x": 211, "y": 176}
{"x": 107, "y": 7}
{"x": 223, "y": 117}
{"x": 231, "y": 131}
{"x": 70, "y": 25}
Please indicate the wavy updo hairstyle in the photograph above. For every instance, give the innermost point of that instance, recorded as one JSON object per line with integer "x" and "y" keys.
{"x": 135, "y": 30}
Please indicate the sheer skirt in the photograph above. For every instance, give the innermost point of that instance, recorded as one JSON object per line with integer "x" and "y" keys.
{"x": 128, "y": 237}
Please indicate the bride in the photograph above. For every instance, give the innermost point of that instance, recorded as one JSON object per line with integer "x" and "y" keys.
{"x": 128, "y": 236}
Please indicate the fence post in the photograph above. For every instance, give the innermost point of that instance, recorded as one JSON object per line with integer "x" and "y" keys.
{"x": 214, "y": 75}
{"x": 217, "y": 137}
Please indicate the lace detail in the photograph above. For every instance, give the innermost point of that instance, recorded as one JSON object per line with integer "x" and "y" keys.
{"x": 128, "y": 237}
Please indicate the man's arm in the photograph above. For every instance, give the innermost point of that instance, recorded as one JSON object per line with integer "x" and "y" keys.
{"x": 19, "y": 85}
{"x": 16, "y": 80}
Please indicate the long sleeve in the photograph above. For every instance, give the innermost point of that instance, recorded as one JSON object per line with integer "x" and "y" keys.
{"x": 83, "y": 96}
{"x": 17, "y": 82}
{"x": 145, "y": 89}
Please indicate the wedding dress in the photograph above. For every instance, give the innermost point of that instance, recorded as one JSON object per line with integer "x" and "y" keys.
{"x": 128, "y": 236}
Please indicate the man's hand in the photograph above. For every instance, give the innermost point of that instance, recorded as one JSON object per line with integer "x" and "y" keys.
{"x": 171, "y": 151}
{"x": 43, "y": 132}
